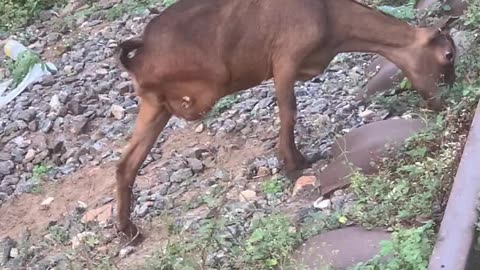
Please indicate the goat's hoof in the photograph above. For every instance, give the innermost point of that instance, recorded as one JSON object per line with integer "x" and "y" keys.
{"x": 131, "y": 235}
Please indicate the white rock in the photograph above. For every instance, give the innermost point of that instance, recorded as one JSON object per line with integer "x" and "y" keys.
{"x": 124, "y": 252}
{"x": 200, "y": 128}
{"x": 81, "y": 205}
{"x": 366, "y": 114}
{"x": 14, "y": 253}
{"x": 322, "y": 204}
{"x": 248, "y": 196}
{"x": 55, "y": 103}
{"x": 30, "y": 155}
{"x": 79, "y": 238}
{"x": 117, "y": 111}
{"x": 46, "y": 203}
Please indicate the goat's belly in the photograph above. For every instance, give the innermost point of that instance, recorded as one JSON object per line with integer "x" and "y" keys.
{"x": 313, "y": 66}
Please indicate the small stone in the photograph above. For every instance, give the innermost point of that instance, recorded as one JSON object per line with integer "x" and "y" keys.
{"x": 14, "y": 253}
{"x": 248, "y": 196}
{"x": 101, "y": 71}
{"x": 124, "y": 87}
{"x": 46, "y": 125}
{"x": 26, "y": 115}
{"x": 304, "y": 184}
{"x": 222, "y": 175}
{"x": 263, "y": 171}
{"x": 29, "y": 156}
{"x": 81, "y": 206}
{"x": 195, "y": 164}
{"x": 46, "y": 203}
{"x": 4, "y": 156}
{"x": 322, "y": 120}
{"x": 55, "y": 103}
{"x": 322, "y": 204}
{"x": 124, "y": 252}
{"x": 366, "y": 114}
{"x": 68, "y": 69}
{"x": 181, "y": 175}
{"x": 117, "y": 111}
{"x": 6, "y": 245}
{"x": 200, "y": 128}
{"x": 101, "y": 214}
{"x": 78, "y": 239}
{"x": 143, "y": 210}
{"x": 75, "y": 124}
{"x": 6, "y": 167}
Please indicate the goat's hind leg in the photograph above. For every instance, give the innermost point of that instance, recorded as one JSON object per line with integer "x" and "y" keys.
{"x": 152, "y": 119}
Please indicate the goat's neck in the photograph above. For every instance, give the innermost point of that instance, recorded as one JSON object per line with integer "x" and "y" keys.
{"x": 362, "y": 29}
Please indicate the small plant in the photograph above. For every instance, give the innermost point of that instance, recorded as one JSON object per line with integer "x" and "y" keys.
{"x": 319, "y": 222}
{"x": 18, "y": 13}
{"x": 472, "y": 14}
{"x": 133, "y": 7}
{"x": 271, "y": 242}
{"x": 168, "y": 3}
{"x": 224, "y": 104}
{"x": 409, "y": 249}
{"x": 403, "y": 12}
{"x": 38, "y": 172}
{"x": 59, "y": 234}
{"x": 24, "y": 63}
{"x": 272, "y": 186}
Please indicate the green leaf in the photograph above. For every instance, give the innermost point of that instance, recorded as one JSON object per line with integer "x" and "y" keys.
{"x": 343, "y": 219}
{"x": 257, "y": 235}
{"x": 271, "y": 262}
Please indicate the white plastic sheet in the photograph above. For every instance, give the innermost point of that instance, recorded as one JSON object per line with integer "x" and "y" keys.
{"x": 36, "y": 73}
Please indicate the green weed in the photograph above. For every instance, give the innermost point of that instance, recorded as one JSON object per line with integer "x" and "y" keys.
{"x": 272, "y": 186}
{"x": 271, "y": 242}
{"x": 19, "y": 68}
{"x": 38, "y": 173}
{"x": 18, "y": 13}
{"x": 409, "y": 249}
{"x": 59, "y": 234}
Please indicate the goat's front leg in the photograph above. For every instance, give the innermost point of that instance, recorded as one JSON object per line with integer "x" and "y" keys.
{"x": 151, "y": 120}
{"x": 284, "y": 78}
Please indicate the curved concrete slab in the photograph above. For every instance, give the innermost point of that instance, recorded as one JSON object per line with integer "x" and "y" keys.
{"x": 340, "y": 248}
{"x": 386, "y": 78}
{"x": 362, "y": 147}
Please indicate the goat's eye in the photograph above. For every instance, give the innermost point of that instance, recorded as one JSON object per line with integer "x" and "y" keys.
{"x": 449, "y": 56}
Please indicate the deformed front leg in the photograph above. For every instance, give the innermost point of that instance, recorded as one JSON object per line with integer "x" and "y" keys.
{"x": 152, "y": 118}
{"x": 284, "y": 79}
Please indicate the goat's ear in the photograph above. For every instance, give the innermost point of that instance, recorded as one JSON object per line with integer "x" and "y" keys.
{"x": 426, "y": 35}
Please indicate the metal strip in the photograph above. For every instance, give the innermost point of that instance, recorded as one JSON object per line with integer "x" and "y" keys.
{"x": 456, "y": 234}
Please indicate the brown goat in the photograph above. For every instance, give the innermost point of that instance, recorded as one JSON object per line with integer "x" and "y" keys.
{"x": 197, "y": 51}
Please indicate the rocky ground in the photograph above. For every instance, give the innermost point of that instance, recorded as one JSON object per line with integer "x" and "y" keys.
{"x": 60, "y": 139}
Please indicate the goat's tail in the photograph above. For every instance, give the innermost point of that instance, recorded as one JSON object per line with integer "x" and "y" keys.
{"x": 126, "y": 48}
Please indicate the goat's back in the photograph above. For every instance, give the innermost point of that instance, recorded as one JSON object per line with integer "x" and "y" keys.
{"x": 233, "y": 38}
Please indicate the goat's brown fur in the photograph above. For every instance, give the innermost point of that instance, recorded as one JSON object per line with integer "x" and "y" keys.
{"x": 197, "y": 51}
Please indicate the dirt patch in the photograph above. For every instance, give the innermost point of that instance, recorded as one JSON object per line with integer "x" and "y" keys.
{"x": 87, "y": 185}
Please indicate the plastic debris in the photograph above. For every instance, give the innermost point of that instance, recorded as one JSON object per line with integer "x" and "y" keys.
{"x": 37, "y": 72}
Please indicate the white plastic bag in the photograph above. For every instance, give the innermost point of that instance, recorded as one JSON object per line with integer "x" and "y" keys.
{"x": 13, "y": 49}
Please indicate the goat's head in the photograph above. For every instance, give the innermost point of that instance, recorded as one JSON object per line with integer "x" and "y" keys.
{"x": 432, "y": 62}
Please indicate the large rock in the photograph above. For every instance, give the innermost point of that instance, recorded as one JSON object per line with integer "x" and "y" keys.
{"x": 339, "y": 249}
{"x": 362, "y": 147}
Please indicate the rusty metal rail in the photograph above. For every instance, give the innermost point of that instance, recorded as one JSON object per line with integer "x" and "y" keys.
{"x": 457, "y": 232}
